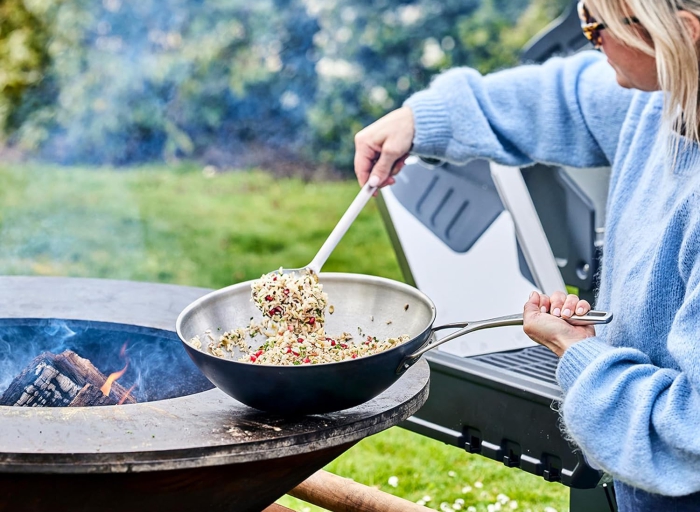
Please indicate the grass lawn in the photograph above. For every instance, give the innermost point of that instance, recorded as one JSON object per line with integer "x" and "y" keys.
{"x": 175, "y": 225}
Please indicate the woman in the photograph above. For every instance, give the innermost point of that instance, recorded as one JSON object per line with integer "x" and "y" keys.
{"x": 632, "y": 391}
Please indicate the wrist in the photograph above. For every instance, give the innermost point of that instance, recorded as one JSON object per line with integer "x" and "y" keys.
{"x": 564, "y": 342}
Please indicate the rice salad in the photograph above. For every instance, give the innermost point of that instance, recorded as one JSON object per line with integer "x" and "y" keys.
{"x": 293, "y": 308}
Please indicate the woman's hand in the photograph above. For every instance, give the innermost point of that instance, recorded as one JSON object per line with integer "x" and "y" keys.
{"x": 545, "y": 320}
{"x": 382, "y": 147}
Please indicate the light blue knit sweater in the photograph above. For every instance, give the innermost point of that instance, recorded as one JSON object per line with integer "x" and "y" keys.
{"x": 632, "y": 393}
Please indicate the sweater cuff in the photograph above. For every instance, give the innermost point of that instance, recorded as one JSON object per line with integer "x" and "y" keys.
{"x": 577, "y": 358}
{"x": 431, "y": 119}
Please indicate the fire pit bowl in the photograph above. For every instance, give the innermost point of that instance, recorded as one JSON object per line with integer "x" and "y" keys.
{"x": 199, "y": 451}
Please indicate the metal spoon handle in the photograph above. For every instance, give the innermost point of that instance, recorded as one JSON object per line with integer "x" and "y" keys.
{"x": 341, "y": 228}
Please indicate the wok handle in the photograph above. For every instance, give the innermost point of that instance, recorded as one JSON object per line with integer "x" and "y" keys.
{"x": 590, "y": 318}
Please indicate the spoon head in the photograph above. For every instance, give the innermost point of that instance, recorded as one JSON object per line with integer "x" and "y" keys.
{"x": 300, "y": 271}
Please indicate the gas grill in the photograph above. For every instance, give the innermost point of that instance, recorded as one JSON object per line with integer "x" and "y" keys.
{"x": 477, "y": 239}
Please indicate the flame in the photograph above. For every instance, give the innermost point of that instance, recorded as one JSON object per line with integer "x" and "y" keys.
{"x": 107, "y": 386}
{"x": 128, "y": 392}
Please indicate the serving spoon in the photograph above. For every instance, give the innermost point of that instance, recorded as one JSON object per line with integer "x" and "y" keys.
{"x": 313, "y": 268}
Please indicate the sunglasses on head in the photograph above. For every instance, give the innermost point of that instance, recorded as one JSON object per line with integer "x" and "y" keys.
{"x": 591, "y": 28}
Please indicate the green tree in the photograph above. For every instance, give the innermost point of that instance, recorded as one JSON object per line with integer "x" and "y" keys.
{"x": 233, "y": 81}
{"x": 24, "y": 58}
{"x": 494, "y": 40}
{"x": 375, "y": 54}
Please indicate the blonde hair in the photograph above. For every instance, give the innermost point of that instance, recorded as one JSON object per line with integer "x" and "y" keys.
{"x": 673, "y": 47}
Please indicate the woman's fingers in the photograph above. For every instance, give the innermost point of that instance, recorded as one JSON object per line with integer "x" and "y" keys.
{"x": 567, "y": 305}
{"x": 570, "y": 306}
{"x": 557, "y": 303}
{"x": 582, "y": 307}
{"x": 382, "y": 147}
{"x": 389, "y": 157}
{"x": 548, "y": 330}
{"x": 365, "y": 157}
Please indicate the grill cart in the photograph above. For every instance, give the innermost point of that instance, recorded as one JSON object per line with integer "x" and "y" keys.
{"x": 477, "y": 239}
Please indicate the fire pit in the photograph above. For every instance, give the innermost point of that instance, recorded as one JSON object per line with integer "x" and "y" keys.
{"x": 184, "y": 446}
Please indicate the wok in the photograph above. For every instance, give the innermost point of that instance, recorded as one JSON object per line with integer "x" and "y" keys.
{"x": 373, "y": 305}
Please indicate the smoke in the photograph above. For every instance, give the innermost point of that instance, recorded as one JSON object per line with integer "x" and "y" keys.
{"x": 140, "y": 81}
{"x": 157, "y": 364}
{"x": 52, "y": 226}
{"x": 17, "y": 350}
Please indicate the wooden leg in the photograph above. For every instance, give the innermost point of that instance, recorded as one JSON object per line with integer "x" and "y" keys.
{"x": 339, "y": 494}
{"x": 277, "y": 508}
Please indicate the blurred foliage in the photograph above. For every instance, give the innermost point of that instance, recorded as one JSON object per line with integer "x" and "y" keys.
{"x": 24, "y": 58}
{"x": 232, "y": 82}
{"x": 379, "y": 52}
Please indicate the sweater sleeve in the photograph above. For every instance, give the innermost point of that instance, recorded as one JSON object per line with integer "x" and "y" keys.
{"x": 567, "y": 111}
{"x": 632, "y": 418}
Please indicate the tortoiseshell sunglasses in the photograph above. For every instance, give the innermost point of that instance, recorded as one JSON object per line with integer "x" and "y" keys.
{"x": 591, "y": 28}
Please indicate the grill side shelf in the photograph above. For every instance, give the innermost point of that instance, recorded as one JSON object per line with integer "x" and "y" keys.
{"x": 499, "y": 405}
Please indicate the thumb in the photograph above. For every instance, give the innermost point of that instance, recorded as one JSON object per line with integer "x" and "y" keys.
{"x": 533, "y": 304}
{"x": 382, "y": 169}
{"x": 391, "y": 155}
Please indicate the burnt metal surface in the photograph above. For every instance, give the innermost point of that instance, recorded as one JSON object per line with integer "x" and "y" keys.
{"x": 204, "y": 429}
{"x": 246, "y": 487}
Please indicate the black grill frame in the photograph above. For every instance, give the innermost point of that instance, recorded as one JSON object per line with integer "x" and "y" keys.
{"x": 535, "y": 362}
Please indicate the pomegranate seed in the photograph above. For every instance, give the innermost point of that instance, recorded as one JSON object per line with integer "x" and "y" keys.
{"x": 332, "y": 343}
{"x": 258, "y": 353}
{"x": 286, "y": 291}
{"x": 253, "y": 358}
{"x": 268, "y": 298}
{"x": 312, "y": 320}
{"x": 307, "y": 360}
{"x": 274, "y": 278}
{"x": 288, "y": 350}
{"x": 343, "y": 345}
{"x": 295, "y": 352}
{"x": 354, "y": 356}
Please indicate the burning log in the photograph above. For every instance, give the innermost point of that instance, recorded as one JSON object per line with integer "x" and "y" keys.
{"x": 63, "y": 380}
{"x": 90, "y": 395}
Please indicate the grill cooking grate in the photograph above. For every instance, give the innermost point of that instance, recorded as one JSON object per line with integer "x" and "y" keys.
{"x": 536, "y": 362}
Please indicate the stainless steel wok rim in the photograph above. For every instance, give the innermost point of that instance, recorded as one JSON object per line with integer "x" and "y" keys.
{"x": 339, "y": 276}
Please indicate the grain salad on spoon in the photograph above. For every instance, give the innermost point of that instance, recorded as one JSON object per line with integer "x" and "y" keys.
{"x": 293, "y": 307}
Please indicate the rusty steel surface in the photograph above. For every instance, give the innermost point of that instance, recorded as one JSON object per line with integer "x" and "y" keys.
{"x": 200, "y": 430}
